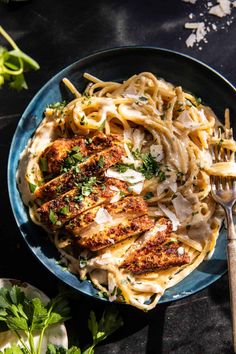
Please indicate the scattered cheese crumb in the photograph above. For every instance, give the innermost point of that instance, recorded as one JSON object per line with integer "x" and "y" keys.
{"x": 200, "y": 29}
{"x": 190, "y": 16}
{"x": 191, "y": 40}
{"x": 221, "y": 10}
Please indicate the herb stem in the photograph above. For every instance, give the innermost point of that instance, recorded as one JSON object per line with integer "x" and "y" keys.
{"x": 8, "y": 38}
{"x": 22, "y": 342}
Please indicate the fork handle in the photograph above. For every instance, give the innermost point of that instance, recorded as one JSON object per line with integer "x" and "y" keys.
{"x": 231, "y": 250}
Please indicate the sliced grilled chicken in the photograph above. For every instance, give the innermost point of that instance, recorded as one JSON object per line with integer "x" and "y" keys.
{"x": 155, "y": 250}
{"x": 101, "y": 236}
{"x": 56, "y": 154}
{"x": 55, "y": 213}
{"x": 130, "y": 207}
{"x": 95, "y": 165}
{"x": 63, "y": 152}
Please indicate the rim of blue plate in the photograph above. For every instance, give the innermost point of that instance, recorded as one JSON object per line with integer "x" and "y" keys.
{"x": 208, "y": 271}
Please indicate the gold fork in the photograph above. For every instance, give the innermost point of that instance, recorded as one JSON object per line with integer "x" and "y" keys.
{"x": 223, "y": 190}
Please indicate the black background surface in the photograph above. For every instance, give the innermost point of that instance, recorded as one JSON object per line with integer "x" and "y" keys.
{"x": 57, "y": 33}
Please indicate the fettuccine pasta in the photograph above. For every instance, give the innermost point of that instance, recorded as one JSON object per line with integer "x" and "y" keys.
{"x": 119, "y": 178}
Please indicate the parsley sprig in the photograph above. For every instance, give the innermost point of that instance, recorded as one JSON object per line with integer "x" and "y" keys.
{"x": 30, "y": 316}
{"x": 19, "y": 313}
{"x": 14, "y": 63}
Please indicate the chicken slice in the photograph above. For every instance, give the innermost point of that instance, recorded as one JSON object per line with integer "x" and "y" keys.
{"x": 101, "y": 236}
{"x": 130, "y": 206}
{"x": 59, "y": 154}
{"x": 93, "y": 166}
{"x": 55, "y": 213}
{"x": 155, "y": 250}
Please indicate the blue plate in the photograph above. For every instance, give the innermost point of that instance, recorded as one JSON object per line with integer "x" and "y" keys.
{"x": 118, "y": 64}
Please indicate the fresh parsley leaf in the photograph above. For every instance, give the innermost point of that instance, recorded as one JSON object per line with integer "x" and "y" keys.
{"x": 54, "y": 349}
{"x": 14, "y": 63}
{"x": 14, "y": 349}
{"x": 108, "y": 324}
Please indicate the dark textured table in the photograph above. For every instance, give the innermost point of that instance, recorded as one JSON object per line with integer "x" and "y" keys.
{"x": 57, "y": 33}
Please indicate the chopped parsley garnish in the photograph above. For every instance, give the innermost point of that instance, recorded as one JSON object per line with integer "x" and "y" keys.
{"x": 121, "y": 167}
{"x": 148, "y": 195}
{"x": 101, "y": 162}
{"x": 52, "y": 217}
{"x": 151, "y": 168}
{"x": 65, "y": 210}
{"x": 32, "y": 187}
{"x": 43, "y": 163}
{"x": 88, "y": 141}
{"x": 180, "y": 178}
{"x": 83, "y": 120}
{"x": 195, "y": 213}
{"x": 57, "y": 105}
{"x": 82, "y": 262}
{"x": 74, "y": 157}
{"x": 198, "y": 100}
{"x": 85, "y": 188}
{"x": 143, "y": 98}
{"x": 102, "y": 126}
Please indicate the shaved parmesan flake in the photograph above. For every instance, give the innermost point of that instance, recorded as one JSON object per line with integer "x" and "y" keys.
{"x": 183, "y": 208}
{"x": 191, "y": 40}
{"x": 131, "y": 176}
{"x": 169, "y": 183}
{"x": 127, "y": 134}
{"x": 185, "y": 119}
{"x": 102, "y": 216}
{"x": 138, "y": 139}
{"x": 137, "y": 188}
{"x": 117, "y": 196}
{"x": 156, "y": 152}
{"x": 170, "y": 215}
